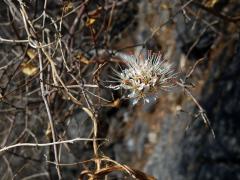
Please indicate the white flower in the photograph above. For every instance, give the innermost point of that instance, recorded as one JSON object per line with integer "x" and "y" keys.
{"x": 144, "y": 77}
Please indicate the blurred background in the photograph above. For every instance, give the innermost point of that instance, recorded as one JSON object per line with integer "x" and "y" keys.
{"x": 165, "y": 139}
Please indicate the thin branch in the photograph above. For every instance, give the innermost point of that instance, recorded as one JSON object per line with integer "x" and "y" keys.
{"x": 3, "y": 40}
{"x": 48, "y": 112}
{"x": 217, "y": 14}
{"x": 202, "y": 112}
{"x": 36, "y": 176}
{"x": 71, "y": 141}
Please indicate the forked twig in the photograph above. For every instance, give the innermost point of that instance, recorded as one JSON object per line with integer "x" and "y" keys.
{"x": 185, "y": 87}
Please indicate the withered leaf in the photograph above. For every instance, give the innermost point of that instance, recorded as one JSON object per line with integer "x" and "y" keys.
{"x": 28, "y": 69}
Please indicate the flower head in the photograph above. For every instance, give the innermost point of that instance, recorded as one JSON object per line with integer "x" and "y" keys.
{"x": 144, "y": 77}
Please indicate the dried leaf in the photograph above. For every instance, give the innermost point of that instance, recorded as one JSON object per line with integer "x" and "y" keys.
{"x": 82, "y": 58}
{"x": 114, "y": 104}
{"x": 165, "y": 6}
{"x": 29, "y": 69}
{"x": 48, "y": 131}
{"x": 31, "y": 53}
{"x": 90, "y": 21}
{"x": 211, "y": 3}
{"x": 67, "y": 7}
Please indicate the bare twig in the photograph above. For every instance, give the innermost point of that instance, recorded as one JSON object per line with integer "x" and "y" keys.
{"x": 2, "y": 40}
{"x": 48, "y": 112}
{"x": 201, "y": 111}
{"x": 71, "y": 141}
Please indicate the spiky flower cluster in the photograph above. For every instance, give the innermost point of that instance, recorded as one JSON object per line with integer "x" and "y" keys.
{"x": 145, "y": 76}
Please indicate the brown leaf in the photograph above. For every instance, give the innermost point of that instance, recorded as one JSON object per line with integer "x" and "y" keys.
{"x": 90, "y": 21}
{"x": 115, "y": 104}
{"x": 31, "y": 53}
{"x": 28, "y": 69}
{"x": 82, "y": 58}
{"x": 68, "y": 6}
{"x": 210, "y": 3}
